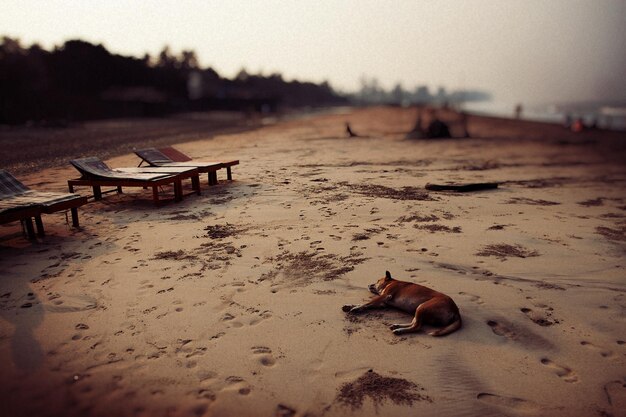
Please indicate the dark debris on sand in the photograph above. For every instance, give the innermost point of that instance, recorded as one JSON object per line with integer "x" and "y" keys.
{"x": 178, "y": 255}
{"x": 618, "y": 234}
{"x": 432, "y": 228}
{"x": 417, "y": 218}
{"x": 532, "y": 202}
{"x": 503, "y": 250}
{"x": 304, "y": 268}
{"x": 380, "y": 389}
{"x": 354, "y": 321}
{"x": 595, "y": 202}
{"x": 326, "y": 267}
{"x": 221, "y": 231}
{"x": 404, "y": 193}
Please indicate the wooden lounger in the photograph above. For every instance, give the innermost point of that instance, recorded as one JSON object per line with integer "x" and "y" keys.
{"x": 18, "y": 202}
{"x": 23, "y": 214}
{"x": 96, "y": 174}
{"x": 171, "y": 157}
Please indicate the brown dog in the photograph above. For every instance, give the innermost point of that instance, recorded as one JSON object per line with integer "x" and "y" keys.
{"x": 429, "y": 306}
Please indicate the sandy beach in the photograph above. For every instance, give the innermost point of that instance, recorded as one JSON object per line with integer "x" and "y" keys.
{"x": 229, "y": 303}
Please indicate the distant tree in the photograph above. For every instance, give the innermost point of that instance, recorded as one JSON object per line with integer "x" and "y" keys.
{"x": 166, "y": 59}
{"x": 242, "y": 75}
{"x": 398, "y": 94}
{"x": 188, "y": 61}
{"x": 422, "y": 95}
{"x": 440, "y": 96}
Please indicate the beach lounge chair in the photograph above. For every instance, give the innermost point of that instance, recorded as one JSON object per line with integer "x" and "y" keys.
{"x": 11, "y": 212}
{"x": 18, "y": 202}
{"x": 169, "y": 156}
{"x": 96, "y": 174}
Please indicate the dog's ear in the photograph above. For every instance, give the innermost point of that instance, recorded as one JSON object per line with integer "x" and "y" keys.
{"x": 387, "y": 275}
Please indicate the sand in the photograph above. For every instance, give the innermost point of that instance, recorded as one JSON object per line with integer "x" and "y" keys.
{"x": 229, "y": 303}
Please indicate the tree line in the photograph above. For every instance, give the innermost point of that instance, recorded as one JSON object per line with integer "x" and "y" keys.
{"x": 80, "y": 80}
{"x": 371, "y": 92}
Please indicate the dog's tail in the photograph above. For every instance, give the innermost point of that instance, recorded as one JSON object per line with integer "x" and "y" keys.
{"x": 455, "y": 325}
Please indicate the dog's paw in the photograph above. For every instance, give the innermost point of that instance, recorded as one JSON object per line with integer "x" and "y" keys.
{"x": 347, "y": 308}
{"x": 395, "y": 326}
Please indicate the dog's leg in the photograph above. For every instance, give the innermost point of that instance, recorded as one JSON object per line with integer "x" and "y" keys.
{"x": 376, "y": 302}
{"x": 415, "y": 325}
{"x": 400, "y": 325}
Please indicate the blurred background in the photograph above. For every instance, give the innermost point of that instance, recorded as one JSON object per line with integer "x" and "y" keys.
{"x": 62, "y": 61}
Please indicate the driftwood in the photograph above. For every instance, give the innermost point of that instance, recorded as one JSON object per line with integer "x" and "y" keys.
{"x": 462, "y": 187}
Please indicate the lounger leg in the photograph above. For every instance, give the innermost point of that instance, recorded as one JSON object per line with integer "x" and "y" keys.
{"x": 28, "y": 224}
{"x": 178, "y": 190}
{"x": 97, "y": 192}
{"x": 213, "y": 178}
{"x": 119, "y": 189}
{"x": 155, "y": 194}
{"x": 195, "y": 183}
{"x": 70, "y": 186}
{"x": 74, "y": 211}
{"x": 39, "y": 225}
{"x": 229, "y": 174}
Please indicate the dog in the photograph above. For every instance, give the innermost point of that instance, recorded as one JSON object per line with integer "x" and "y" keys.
{"x": 429, "y": 306}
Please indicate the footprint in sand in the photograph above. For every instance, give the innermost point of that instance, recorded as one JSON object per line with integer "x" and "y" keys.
{"x": 473, "y": 297}
{"x": 145, "y": 287}
{"x": 512, "y": 403}
{"x": 285, "y": 411}
{"x": 205, "y": 376}
{"x": 605, "y": 353}
{"x": 202, "y": 394}
{"x": 501, "y": 330}
{"x": 561, "y": 371}
{"x": 264, "y": 355}
{"x": 518, "y": 334}
{"x": 227, "y": 317}
{"x": 536, "y": 317}
{"x": 616, "y": 394}
{"x": 246, "y": 320}
{"x": 235, "y": 383}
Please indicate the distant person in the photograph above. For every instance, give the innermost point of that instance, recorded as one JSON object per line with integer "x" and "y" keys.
{"x": 418, "y": 123}
{"x": 518, "y": 111}
{"x": 578, "y": 125}
{"x": 438, "y": 129}
{"x": 568, "y": 121}
{"x": 350, "y": 132}
{"x": 463, "y": 116}
{"x": 417, "y": 132}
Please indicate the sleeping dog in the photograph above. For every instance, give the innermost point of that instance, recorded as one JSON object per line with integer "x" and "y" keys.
{"x": 428, "y": 306}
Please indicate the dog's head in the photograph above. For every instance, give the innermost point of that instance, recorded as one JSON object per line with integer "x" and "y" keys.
{"x": 379, "y": 286}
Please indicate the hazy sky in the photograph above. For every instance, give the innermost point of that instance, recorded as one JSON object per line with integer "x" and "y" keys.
{"x": 527, "y": 51}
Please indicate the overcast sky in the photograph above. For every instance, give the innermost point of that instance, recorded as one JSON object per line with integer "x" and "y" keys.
{"x": 520, "y": 51}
